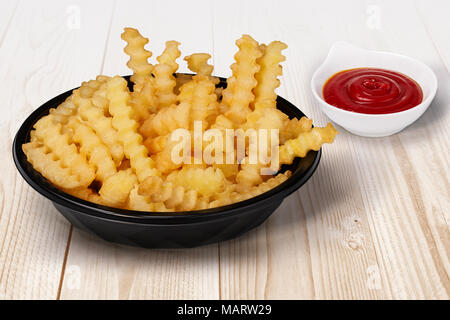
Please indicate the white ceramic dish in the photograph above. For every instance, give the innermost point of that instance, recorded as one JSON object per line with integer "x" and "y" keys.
{"x": 344, "y": 56}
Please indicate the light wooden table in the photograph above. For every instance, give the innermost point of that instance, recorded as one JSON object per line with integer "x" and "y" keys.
{"x": 372, "y": 223}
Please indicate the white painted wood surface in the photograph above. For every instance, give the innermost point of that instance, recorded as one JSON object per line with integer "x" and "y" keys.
{"x": 372, "y": 223}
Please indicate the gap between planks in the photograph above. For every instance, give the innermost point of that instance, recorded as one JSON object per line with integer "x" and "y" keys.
{"x": 69, "y": 238}
{"x": 63, "y": 269}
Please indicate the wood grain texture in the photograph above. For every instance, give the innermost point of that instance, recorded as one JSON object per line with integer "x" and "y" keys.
{"x": 40, "y": 57}
{"x": 99, "y": 270}
{"x": 372, "y": 223}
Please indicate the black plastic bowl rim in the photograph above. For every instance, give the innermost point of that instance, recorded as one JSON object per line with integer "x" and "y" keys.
{"x": 45, "y": 188}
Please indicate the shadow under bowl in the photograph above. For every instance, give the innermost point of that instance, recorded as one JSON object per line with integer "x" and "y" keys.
{"x": 163, "y": 230}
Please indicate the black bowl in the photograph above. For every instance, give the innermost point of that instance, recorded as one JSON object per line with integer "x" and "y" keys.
{"x": 163, "y": 230}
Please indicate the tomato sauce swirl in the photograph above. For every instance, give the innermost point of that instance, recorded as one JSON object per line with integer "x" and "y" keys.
{"x": 372, "y": 91}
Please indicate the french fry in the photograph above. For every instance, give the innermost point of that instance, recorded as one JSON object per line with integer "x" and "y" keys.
{"x": 44, "y": 162}
{"x": 170, "y": 55}
{"x": 166, "y": 121}
{"x": 238, "y": 94}
{"x": 163, "y": 158}
{"x": 250, "y": 174}
{"x": 200, "y": 94}
{"x": 102, "y": 125}
{"x": 198, "y": 63}
{"x": 143, "y": 98}
{"x": 49, "y": 132}
{"x": 165, "y": 82}
{"x": 174, "y": 197}
{"x": 113, "y": 147}
{"x": 116, "y": 188}
{"x": 118, "y": 95}
{"x": 266, "y": 117}
{"x": 94, "y": 149}
{"x": 85, "y": 194}
{"x": 138, "y": 55}
{"x": 293, "y": 127}
{"x": 69, "y": 107}
{"x": 270, "y": 70}
{"x": 222, "y": 198}
{"x": 99, "y": 99}
{"x": 156, "y": 144}
{"x": 64, "y": 111}
{"x": 143, "y": 203}
{"x": 261, "y": 188}
{"x": 205, "y": 181}
{"x": 306, "y": 141}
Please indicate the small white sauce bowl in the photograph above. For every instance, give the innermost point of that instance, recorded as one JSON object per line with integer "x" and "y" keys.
{"x": 343, "y": 56}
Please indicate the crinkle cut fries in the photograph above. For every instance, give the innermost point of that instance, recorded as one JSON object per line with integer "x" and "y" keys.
{"x": 110, "y": 146}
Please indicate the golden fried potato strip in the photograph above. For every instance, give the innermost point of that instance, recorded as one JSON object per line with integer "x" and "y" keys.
{"x": 206, "y": 181}
{"x": 116, "y": 188}
{"x": 270, "y": 70}
{"x": 49, "y": 132}
{"x": 64, "y": 111}
{"x": 143, "y": 99}
{"x": 166, "y": 121}
{"x": 97, "y": 120}
{"x": 250, "y": 174}
{"x": 200, "y": 94}
{"x": 293, "y": 127}
{"x": 85, "y": 194}
{"x": 165, "y": 82}
{"x": 198, "y": 63}
{"x": 138, "y": 55}
{"x": 306, "y": 141}
{"x": 174, "y": 197}
{"x": 222, "y": 198}
{"x": 261, "y": 188}
{"x": 69, "y": 107}
{"x": 140, "y": 202}
{"x": 170, "y": 54}
{"x": 238, "y": 94}
{"x": 266, "y": 117}
{"x": 94, "y": 149}
{"x": 52, "y": 169}
{"x": 118, "y": 95}
{"x": 163, "y": 159}
{"x": 99, "y": 98}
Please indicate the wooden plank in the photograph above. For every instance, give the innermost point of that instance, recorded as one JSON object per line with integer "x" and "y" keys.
{"x": 40, "y": 58}
{"x": 100, "y": 270}
{"x": 371, "y": 222}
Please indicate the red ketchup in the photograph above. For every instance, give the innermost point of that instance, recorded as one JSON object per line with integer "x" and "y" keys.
{"x": 372, "y": 91}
